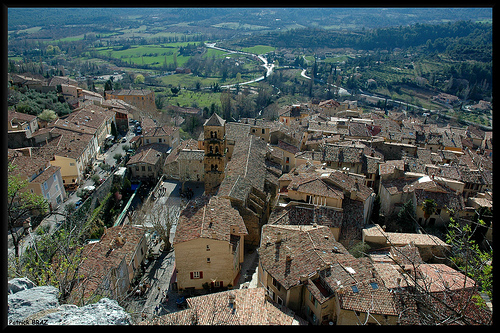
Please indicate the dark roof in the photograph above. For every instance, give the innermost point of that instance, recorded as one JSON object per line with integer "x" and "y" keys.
{"x": 214, "y": 120}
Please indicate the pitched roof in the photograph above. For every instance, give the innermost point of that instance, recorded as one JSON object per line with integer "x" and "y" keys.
{"x": 312, "y": 184}
{"x": 116, "y": 244}
{"x": 247, "y": 307}
{"x": 306, "y": 214}
{"x": 130, "y": 92}
{"x": 246, "y": 169}
{"x": 208, "y": 217}
{"x": 289, "y": 251}
{"x": 214, "y": 120}
{"x": 149, "y": 154}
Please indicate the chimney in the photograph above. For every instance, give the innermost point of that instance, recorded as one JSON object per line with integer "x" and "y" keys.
{"x": 278, "y": 237}
{"x": 232, "y": 301}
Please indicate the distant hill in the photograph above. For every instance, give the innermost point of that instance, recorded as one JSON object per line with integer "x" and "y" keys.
{"x": 268, "y": 18}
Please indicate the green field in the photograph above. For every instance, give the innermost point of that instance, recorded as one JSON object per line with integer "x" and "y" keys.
{"x": 188, "y": 98}
{"x": 259, "y": 49}
{"x": 187, "y": 80}
{"x": 155, "y": 55}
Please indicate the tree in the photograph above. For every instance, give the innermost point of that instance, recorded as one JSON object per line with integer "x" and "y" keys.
{"x": 48, "y": 115}
{"x": 159, "y": 217}
{"x": 159, "y": 101}
{"x": 53, "y": 259}
{"x": 139, "y": 79}
{"x": 21, "y": 205}
{"x": 113, "y": 131}
{"x": 429, "y": 207}
{"x": 376, "y": 210}
{"x": 117, "y": 157}
{"x": 225, "y": 101}
{"x": 467, "y": 256}
{"x": 108, "y": 85}
{"x": 406, "y": 217}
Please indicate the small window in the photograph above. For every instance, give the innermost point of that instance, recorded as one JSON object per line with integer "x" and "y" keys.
{"x": 143, "y": 168}
{"x": 208, "y": 260}
{"x": 354, "y": 289}
{"x": 374, "y": 285}
{"x": 208, "y": 247}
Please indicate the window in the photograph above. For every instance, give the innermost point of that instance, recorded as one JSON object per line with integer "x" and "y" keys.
{"x": 276, "y": 284}
{"x": 136, "y": 168}
{"x": 354, "y": 289}
{"x": 263, "y": 131}
{"x": 72, "y": 164}
{"x": 54, "y": 177}
{"x": 149, "y": 168}
{"x": 208, "y": 260}
{"x": 208, "y": 247}
{"x": 45, "y": 186}
{"x": 279, "y": 300}
{"x": 196, "y": 275}
{"x": 218, "y": 284}
{"x": 58, "y": 199}
{"x": 143, "y": 168}
{"x": 374, "y": 285}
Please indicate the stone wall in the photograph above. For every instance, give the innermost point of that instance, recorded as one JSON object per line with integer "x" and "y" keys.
{"x": 31, "y": 305}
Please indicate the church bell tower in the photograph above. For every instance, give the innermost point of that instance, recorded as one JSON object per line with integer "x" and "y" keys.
{"x": 214, "y": 137}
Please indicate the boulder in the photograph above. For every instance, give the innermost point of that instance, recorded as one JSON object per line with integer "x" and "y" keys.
{"x": 27, "y": 302}
{"x": 19, "y": 284}
{"x": 32, "y": 305}
{"x": 104, "y": 312}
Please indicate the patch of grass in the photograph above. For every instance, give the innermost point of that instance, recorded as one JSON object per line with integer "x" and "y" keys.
{"x": 146, "y": 54}
{"x": 200, "y": 99}
{"x": 187, "y": 80}
{"x": 259, "y": 49}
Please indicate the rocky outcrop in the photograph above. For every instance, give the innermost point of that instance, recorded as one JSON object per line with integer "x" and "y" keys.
{"x": 30, "y": 305}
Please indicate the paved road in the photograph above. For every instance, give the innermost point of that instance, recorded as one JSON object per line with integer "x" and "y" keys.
{"x": 266, "y": 65}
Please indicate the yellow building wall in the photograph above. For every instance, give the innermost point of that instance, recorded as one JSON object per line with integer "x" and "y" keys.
{"x": 348, "y": 317}
{"x": 191, "y": 256}
{"x": 69, "y": 173}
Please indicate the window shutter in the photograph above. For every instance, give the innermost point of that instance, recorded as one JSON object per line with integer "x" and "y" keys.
{"x": 221, "y": 284}
{"x": 191, "y": 274}
{"x": 201, "y": 275}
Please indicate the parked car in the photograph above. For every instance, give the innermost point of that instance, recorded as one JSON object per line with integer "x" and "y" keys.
{"x": 78, "y": 203}
{"x": 124, "y": 140}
